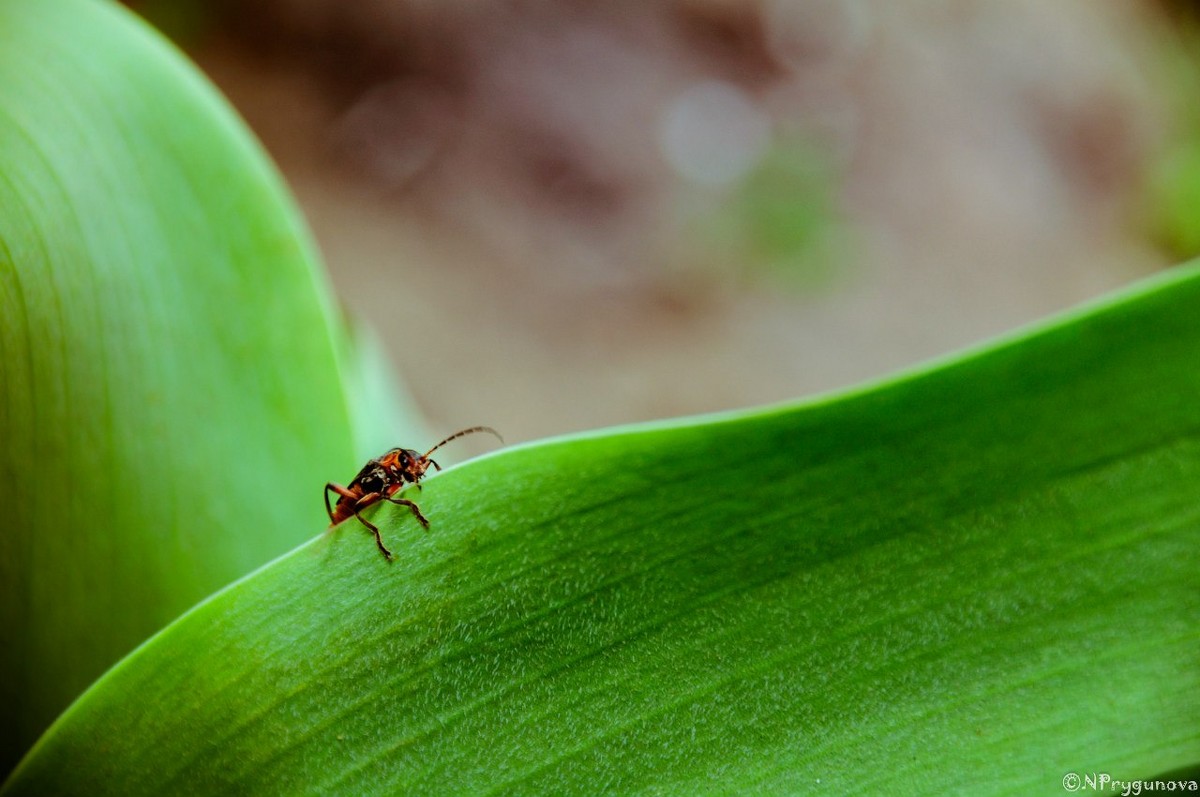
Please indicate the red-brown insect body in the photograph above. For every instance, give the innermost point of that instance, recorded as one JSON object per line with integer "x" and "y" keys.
{"x": 380, "y": 479}
{"x": 384, "y": 476}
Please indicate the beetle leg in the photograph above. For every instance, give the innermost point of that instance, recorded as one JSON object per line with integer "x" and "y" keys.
{"x": 340, "y": 490}
{"x": 363, "y": 503}
{"x": 416, "y": 512}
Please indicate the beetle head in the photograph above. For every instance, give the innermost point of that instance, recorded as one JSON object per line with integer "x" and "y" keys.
{"x": 414, "y": 464}
{"x": 404, "y": 464}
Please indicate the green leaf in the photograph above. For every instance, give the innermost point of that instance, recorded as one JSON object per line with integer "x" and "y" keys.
{"x": 170, "y": 396}
{"x": 972, "y": 579}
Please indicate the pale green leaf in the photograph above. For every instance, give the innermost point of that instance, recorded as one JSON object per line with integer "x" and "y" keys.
{"x": 170, "y": 395}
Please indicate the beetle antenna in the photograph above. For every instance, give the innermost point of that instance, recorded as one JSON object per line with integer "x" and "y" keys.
{"x": 457, "y": 435}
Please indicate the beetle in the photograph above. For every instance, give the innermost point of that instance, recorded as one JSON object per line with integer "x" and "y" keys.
{"x": 380, "y": 479}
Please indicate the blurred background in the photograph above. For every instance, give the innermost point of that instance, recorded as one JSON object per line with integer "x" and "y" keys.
{"x": 558, "y": 216}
